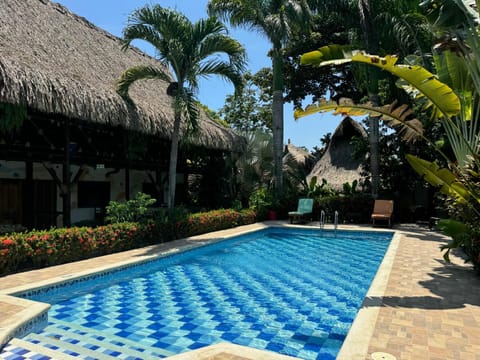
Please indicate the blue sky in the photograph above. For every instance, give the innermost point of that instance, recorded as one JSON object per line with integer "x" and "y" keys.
{"x": 112, "y": 15}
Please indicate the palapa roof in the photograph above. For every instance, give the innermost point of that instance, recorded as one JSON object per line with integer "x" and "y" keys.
{"x": 56, "y": 62}
{"x": 337, "y": 164}
{"x": 300, "y": 155}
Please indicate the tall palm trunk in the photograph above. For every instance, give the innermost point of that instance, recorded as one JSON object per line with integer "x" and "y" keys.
{"x": 371, "y": 47}
{"x": 373, "y": 137}
{"x": 277, "y": 121}
{"x": 172, "y": 170}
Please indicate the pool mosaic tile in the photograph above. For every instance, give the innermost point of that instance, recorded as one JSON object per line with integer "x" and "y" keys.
{"x": 290, "y": 292}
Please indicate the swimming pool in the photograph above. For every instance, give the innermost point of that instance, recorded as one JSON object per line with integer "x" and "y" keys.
{"x": 291, "y": 291}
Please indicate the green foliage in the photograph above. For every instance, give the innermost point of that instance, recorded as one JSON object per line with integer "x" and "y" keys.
{"x": 237, "y": 205}
{"x": 276, "y": 20}
{"x": 213, "y": 115}
{"x": 463, "y": 236}
{"x": 214, "y": 220}
{"x": 251, "y": 109}
{"x": 134, "y": 210}
{"x": 352, "y": 209}
{"x": 313, "y": 190}
{"x": 350, "y": 189}
{"x": 261, "y": 200}
{"x": 255, "y": 164}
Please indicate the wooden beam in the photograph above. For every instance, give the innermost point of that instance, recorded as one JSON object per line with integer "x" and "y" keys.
{"x": 67, "y": 205}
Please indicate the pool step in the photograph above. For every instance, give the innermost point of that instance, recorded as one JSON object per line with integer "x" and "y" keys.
{"x": 113, "y": 342}
{"x": 18, "y": 349}
{"x": 70, "y": 348}
{"x": 68, "y": 341}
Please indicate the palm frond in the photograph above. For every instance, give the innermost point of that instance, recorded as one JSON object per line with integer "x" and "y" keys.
{"x": 397, "y": 116}
{"x": 237, "y": 13}
{"x": 219, "y": 43}
{"x": 138, "y": 73}
{"x": 224, "y": 70}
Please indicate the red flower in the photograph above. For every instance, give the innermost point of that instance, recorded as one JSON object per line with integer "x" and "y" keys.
{"x": 8, "y": 242}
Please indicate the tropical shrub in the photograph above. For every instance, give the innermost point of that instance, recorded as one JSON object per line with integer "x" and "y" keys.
{"x": 261, "y": 201}
{"x": 138, "y": 209}
{"x": 351, "y": 209}
{"x": 36, "y": 249}
{"x": 12, "y": 253}
{"x": 214, "y": 220}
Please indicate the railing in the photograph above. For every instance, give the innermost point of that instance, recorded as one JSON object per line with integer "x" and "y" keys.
{"x": 322, "y": 219}
{"x": 336, "y": 220}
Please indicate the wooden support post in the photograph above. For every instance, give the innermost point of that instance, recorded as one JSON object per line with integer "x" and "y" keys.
{"x": 67, "y": 195}
{"x": 127, "y": 166}
{"x": 29, "y": 205}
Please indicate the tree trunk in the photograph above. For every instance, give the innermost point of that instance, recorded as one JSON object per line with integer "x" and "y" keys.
{"x": 373, "y": 137}
{"x": 172, "y": 170}
{"x": 371, "y": 47}
{"x": 277, "y": 123}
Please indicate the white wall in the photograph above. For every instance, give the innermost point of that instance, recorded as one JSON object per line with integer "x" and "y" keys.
{"x": 16, "y": 170}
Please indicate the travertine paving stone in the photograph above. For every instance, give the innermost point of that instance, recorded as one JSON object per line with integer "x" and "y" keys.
{"x": 430, "y": 309}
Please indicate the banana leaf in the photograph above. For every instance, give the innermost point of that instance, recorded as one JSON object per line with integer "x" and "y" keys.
{"x": 440, "y": 177}
{"x": 440, "y": 96}
{"x": 458, "y": 231}
{"x": 397, "y": 116}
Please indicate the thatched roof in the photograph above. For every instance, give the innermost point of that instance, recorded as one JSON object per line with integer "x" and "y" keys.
{"x": 337, "y": 164}
{"x": 300, "y": 155}
{"x": 56, "y": 62}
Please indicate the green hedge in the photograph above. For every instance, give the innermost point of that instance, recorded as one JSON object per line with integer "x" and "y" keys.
{"x": 36, "y": 249}
{"x": 351, "y": 209}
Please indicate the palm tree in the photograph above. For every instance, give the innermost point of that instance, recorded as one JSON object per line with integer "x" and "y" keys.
{"x": 273, "y": 19}
{"x": 188, "y": 51}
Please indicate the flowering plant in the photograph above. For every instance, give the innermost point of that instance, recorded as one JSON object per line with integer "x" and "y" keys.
{"x": 20, "y": 251}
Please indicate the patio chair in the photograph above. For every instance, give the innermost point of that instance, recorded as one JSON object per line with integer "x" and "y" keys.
{"x": 304, "y": 209}
{"x": 382, "y": 210}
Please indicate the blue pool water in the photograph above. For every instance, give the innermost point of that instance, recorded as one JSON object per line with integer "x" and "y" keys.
{"x": 291, "y": 291}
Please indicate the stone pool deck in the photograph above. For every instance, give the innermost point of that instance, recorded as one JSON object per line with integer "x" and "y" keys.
{"x": 418, "y": 307}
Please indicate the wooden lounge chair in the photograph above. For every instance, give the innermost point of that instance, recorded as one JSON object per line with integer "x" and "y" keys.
{"x": 383, "y": 210}
{"x": 304, "y": 209}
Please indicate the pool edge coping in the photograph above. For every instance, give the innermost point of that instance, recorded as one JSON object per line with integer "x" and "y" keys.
{"x": 356, "y": 344}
